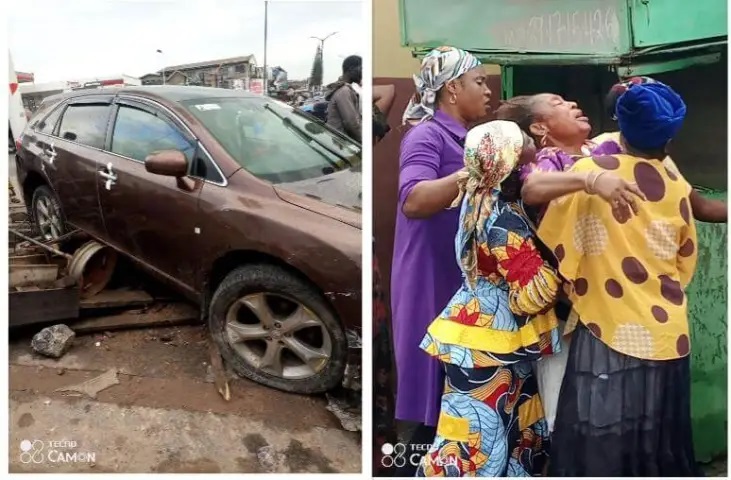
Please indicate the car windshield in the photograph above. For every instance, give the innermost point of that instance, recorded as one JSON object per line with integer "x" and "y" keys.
{"x": 273, "y": 141}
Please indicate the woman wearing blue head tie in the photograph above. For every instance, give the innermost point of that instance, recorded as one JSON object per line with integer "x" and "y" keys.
{"x": 624, "y": 406}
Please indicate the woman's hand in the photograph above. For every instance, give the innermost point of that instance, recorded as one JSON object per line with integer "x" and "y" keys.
{"x": 621, "y": 194}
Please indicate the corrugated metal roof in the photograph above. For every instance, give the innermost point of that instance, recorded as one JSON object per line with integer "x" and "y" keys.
{"x": 211, "y": 63}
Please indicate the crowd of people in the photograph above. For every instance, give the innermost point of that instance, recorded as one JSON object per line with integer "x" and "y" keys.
{"x": 339, "y": 105}
{"x": 571, "y": 253}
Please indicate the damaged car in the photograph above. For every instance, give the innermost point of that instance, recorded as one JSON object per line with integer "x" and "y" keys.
{"x": 243, "y": 204}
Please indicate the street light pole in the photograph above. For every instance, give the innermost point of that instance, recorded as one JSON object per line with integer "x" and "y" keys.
{"x": 266, "y": 27}
{"x": 322, "y": 49}
{"x": 163, "y": 66}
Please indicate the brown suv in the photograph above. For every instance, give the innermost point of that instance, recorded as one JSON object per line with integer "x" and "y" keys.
{"x": 245, "y": 205}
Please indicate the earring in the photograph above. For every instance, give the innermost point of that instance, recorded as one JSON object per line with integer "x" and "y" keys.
{"x": 453, "y": 99}
{"x": 544, "y": 140}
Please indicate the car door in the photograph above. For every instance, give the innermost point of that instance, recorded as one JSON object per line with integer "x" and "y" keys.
{"x": 71, "y": 158}
{"x": 151, "y": 217}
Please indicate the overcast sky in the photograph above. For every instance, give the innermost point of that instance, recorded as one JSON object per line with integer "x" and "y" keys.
{"x": 81, "y": 38}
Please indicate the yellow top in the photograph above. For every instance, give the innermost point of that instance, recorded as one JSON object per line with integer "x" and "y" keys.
{"x": 628, "y": 279}
{"x": 667, "y": 162}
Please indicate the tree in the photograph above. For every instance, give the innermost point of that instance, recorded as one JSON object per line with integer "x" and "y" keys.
{"x": 316, "y": 75}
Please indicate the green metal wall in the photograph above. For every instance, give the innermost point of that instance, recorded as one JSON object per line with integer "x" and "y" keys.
{"x": 707, "y": 297}
{"x": 662, "y": 22}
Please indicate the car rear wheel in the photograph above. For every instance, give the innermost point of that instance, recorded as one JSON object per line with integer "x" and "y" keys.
{"x": 48, "y": 219}
{"x": 275, "y": 329}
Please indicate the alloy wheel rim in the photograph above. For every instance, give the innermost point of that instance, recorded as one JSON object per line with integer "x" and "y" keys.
{"x": 290, "y": 343}
{"x": 49, "y": 220}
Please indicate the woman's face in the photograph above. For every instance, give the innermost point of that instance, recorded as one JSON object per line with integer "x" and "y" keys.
{"x": 528, "y": 154}
{"x": 560, "y": 120}
{"x": 471, "y": 94}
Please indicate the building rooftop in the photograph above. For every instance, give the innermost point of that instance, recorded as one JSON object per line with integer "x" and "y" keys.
{"x": 211, "y": 63}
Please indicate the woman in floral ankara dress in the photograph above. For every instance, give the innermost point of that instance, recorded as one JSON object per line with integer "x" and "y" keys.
{"x": 491, "y": 422}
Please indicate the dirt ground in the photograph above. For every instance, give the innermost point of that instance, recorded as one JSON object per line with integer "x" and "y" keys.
{"x": 164, "y": 415}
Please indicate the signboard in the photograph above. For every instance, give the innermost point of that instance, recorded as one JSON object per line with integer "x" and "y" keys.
{"x": 525, "y": 26}
{"x": 256, "y": 85}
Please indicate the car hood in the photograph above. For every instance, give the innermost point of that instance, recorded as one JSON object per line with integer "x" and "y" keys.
{"x": 337, "y": 195}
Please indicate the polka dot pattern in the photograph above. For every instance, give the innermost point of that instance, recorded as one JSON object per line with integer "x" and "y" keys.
{"x": 634, "y": 340}
{"x": 660, "y": 314}
{"x": 614, "y": 288}
{"x": 607, "y": 162}
{"x": 560, "y": 252}
{"x": 590, "y": 235}
{"x": 594, "y": 329}
{"x": 661, "y": 239}
{"x": 649, "y": 181}
{"x": 634, "y": 270}
{"x": 671, "y": 290}
{"x": 621, "y": 220}
{"x": 687, "y": 248}
{"x": 683, "y": 345}
{"x": 685, "y": 210}
{"x": 581, "y": 286}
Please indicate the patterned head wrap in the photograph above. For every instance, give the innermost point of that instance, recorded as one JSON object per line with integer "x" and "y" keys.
{"x": 491, "y": 153}
{"x": 438, "y": 67}
{"x": 610, "y": 102}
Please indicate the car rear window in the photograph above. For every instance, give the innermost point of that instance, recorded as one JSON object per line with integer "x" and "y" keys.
{"x": 47, "y": 124}
{"x": 85, "y": 124}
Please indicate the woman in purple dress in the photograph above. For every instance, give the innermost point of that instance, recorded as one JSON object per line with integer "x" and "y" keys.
{"x": 451, "y": 94}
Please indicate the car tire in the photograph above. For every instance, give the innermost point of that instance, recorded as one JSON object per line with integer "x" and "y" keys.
{"x": 43, "y": 195}
{"x": 254, "y": 280}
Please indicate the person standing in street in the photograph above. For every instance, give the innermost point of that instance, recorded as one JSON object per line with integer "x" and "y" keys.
{"x": 343, "y": 110}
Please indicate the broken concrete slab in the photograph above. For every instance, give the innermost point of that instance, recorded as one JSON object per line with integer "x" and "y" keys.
{"x": 53, "y": 341}
{"x": 92, "y": 387}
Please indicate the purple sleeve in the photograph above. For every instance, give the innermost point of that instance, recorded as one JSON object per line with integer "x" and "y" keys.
{"x": 547, "y": 160}
{"x": 420, "y": 159}
{"x": 610, "y": 147}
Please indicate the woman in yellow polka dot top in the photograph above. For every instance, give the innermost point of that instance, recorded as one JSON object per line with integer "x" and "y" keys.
{"x": 624, "y": 407}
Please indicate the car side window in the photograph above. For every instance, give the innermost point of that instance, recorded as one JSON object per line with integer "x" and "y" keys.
{"x": 204, "y": 168}
{"x": 138, "y": 133}
{"x": 47, "y": 124}
{"x": 85, "y": 124}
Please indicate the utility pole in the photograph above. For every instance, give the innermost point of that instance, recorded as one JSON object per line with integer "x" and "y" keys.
{"x": 322, "y": 49}
{"x": 266, "y": 27}
{"x": 163, "y": 66}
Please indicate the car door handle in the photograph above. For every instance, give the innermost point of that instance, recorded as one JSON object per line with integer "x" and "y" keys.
{"x": 51, "y": 153}
{"x": 108, "y": 174}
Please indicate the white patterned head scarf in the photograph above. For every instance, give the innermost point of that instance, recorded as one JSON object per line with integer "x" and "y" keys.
{"x": 439, "y": 67}
{"x": 492, "y": 151}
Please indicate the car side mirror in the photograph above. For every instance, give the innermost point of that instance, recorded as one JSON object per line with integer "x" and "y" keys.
{"x": 170, "y": 163}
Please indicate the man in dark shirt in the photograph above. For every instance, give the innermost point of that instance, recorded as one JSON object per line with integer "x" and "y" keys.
{"x": 343, "y": 111}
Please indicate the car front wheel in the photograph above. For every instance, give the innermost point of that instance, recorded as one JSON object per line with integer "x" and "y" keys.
{"x": 276, "y": 329}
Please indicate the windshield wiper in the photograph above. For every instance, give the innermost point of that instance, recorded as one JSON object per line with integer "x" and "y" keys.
{"x": 307, "y": 136}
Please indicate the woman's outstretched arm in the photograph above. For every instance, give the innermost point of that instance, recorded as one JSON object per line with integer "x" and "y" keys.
{"x": 539, "y": 188}
{"x": 708, "y": 210}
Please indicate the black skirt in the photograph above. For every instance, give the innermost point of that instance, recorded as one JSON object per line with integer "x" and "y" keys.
{"x": 622, "y": 416}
